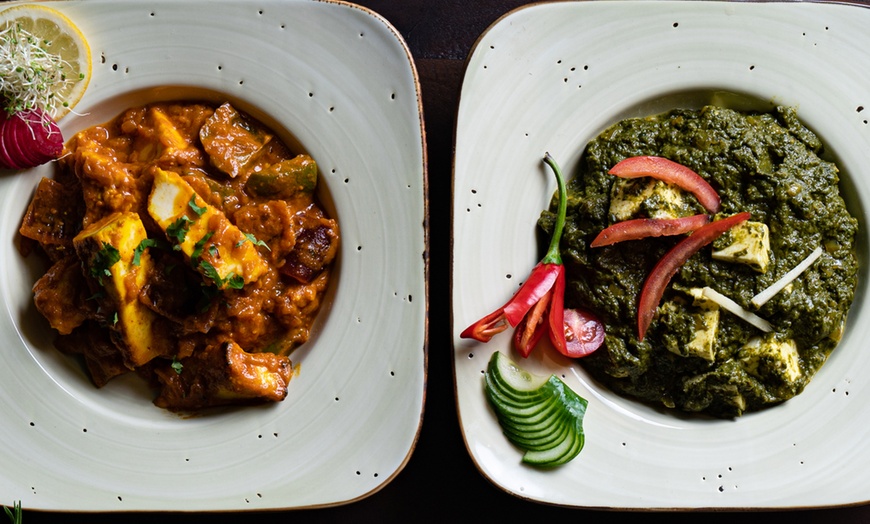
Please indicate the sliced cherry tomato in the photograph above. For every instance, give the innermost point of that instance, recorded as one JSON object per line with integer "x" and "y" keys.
{"x": 648, "y": 227}
{"x": 584, "y": 333}
{"x": 671, "y": 172}
{"x": 670, "y": 263}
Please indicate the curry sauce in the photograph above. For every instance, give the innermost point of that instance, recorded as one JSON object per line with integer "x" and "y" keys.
{"x": 186, "y": 245}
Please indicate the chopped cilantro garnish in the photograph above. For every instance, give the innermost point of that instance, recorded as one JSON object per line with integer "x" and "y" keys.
{"x": 199, "y": 210}
{"x": 105, "y": 258}
{"x": 249, "y": 237}
{"x": 178, "y": 229}
{"x": 176, "y": 366}
{"x": 210, "y": 272}
{"x": 234, "y": 281}
{"x": 197, "y": 248}
{"x": 143, "y": 245}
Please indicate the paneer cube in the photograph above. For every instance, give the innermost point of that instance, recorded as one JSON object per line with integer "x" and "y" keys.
{"x": 703, "y": 342}
{"x": 167, "y": 133}
{"x": 699, "y": 299}
{"x": 108, "y": 250}
{"x": 770, "y": 356}
{"x": 699, "y": 338}
{"x": 215, "y": 247}
{"x": 645, "y": 197}
{"x": 166, "y": 145}
{"x": 706, "y": 325}
{"x": 747, "y": 243}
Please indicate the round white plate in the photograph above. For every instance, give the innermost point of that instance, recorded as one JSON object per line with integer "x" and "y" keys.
{"x": 337, "y": 80}
{"x": 548, "y": 78}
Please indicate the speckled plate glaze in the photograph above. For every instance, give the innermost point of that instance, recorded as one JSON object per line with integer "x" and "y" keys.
{"x": 338, "y": 81}
{"x": 548, "y": 78}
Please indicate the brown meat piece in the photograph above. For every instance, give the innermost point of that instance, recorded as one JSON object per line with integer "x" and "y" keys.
{"x": 232, "y": 140}
{"x": 50, "y": 219}
{"x": 220, "y": 374}
{"x": 61, "y": 295}
{"x": 102, "y": 358}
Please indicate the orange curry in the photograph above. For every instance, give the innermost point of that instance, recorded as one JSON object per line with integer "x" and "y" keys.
{"x": 186, "y": 245}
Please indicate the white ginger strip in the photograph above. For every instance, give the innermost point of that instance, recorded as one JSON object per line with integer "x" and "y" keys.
{"x": 761, "y": 298}
{"x": 733, "y": 307}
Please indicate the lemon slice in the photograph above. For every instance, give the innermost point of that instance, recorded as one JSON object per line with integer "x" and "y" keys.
{"x": 45, "y": 60}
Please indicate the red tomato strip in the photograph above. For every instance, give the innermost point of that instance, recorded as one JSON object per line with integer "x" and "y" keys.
{"x": 671, "y": 172}
{"x": 648, "y": 227}
{"x": 666, "y": 268}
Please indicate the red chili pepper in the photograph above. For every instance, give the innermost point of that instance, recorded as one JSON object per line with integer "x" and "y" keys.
{"x": 484, "y": 329}
{"x": 531, "y": 328}
{"x": 538, "y": 306}
{"x": 670, "y": 263}
{"x": 533, "y": 291}
{"x": 671, "y": 172}
{"x": 648, "y": 227}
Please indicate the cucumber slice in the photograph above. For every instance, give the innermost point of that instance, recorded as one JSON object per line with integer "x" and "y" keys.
{"x": 546, "y": 419}
{"x": 518, "y": 379}
{"x": 540, "y": 415}
{"x": 541, "y": 440}
{"x": 514, "y": 382}
{"x": 536, "y": 409}
{"x": 528, "y": 418}
{"x": 558, "y": 455}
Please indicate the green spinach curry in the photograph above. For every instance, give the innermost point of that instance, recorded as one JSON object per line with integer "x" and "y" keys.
{"x": 695, "y": 356}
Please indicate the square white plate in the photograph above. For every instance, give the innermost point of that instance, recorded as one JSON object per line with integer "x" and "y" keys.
{"x": 550, "y": 77}
{"x": 337, "y": 80}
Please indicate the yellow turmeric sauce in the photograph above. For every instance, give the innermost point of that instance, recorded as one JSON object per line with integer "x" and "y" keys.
{"x": 186, "y": 245}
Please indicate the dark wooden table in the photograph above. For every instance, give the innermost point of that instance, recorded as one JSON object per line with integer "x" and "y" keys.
{"x": 440, "y": 482}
